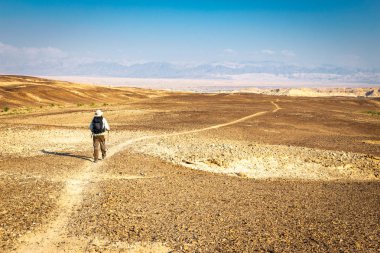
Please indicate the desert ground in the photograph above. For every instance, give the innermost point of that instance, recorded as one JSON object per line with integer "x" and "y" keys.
{"x": 186, "y": 172}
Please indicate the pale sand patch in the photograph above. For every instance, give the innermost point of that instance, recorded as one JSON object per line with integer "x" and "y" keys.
{"x": 262, "y": 161}
{"x": 32, "y": 96}
{"x": 23, "y": 141}
{"x": 273, "y": 167}
{"x": 373, "y": 142}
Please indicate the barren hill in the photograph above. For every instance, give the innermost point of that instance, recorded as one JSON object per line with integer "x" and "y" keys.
{"x": 18, "y": 91}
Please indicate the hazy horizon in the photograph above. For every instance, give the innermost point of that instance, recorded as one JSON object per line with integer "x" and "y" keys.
{"x": 205, "y": 85}
{"x": 301, "y": 42}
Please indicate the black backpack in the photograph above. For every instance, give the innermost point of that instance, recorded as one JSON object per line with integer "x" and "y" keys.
{"x": 97, "y": 125}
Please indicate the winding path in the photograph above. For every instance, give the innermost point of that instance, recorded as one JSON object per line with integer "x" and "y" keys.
{"x": 53, "y": 237}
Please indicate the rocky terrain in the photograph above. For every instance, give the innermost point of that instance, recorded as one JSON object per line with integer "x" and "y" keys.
{"x": 190, "y": 172}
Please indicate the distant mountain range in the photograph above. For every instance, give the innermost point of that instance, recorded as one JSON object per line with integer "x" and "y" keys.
{"x": 206, "y": 71}
{"x": 218, "y": 71}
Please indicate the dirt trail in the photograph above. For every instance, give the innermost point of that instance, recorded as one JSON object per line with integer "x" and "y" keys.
{"x": 53, "y": 238}
{"x": 123, "y": 145}
{"x": 277, "y": 107}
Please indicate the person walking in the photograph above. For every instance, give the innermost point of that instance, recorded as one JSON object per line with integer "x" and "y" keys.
{"x": 98, "y": 127}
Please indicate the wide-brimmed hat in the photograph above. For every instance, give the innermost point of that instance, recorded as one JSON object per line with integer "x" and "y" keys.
{"x": 98, "y": 113}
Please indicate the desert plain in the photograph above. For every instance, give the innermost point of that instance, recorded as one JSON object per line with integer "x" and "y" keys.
{"x": 186, "y": 172}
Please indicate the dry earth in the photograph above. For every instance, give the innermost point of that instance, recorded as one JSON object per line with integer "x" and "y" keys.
{"x": 189, "y": 173}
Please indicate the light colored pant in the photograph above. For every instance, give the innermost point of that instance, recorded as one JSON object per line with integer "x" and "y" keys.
{"x": 99, "y": 140}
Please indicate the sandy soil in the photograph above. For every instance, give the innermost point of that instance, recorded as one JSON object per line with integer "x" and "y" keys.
{"x": 194, "y": 173}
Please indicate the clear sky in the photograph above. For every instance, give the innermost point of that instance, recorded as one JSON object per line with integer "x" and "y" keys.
{"x": 308, "y": 32}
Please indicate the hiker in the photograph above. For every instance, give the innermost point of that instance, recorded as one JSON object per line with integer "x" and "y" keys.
{"x": 98, "y": 127}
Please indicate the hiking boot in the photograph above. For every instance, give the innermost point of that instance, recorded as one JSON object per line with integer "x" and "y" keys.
{"x": 95, "y": 161}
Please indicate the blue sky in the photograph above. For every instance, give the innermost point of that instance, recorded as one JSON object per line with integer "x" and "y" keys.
{"x": 341, "y": 32}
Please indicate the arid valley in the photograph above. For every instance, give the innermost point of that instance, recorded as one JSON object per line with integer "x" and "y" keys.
{"x": 186, "y": 172}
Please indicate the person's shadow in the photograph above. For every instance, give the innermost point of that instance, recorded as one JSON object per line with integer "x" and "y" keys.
{"x": 66, "y": 154}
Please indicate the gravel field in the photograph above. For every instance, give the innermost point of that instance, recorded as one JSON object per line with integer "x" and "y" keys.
{"x": 190, "y": 173}
{"x": 194, "y": 211}
{"x": 25, "y": 206}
